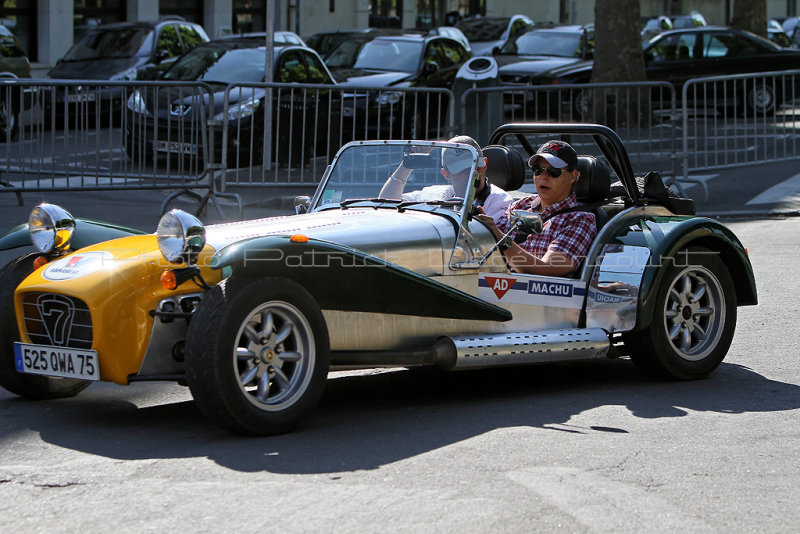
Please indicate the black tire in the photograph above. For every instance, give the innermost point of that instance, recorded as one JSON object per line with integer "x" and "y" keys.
{"x": 694, "y": 318}
{"x": 31, "y": 386}
{"x": 226, "y": 365}
{"x": 9, "y": 121}
{"x": 762, "y": 99}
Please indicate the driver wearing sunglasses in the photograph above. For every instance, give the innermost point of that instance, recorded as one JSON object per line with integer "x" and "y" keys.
{"x": 565, "y": 239}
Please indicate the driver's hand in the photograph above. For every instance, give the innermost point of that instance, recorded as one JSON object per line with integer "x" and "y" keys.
{"x": 489, "y": 222}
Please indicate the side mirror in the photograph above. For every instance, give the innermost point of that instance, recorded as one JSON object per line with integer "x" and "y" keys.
{"x": 526, "y": 222}
{"x": 431, "y": 67}
{"x": 302, "y": 204}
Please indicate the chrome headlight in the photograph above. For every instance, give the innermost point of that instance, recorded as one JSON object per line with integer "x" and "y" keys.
{"x": 240, "y": 110}
{"x": 137, "y": 105}
{"x": 389, "y": 98}
{"x": 180, "y": 237}
{"x": 51, "y": 228}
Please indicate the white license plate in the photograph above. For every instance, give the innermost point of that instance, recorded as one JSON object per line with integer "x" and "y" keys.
{"x": 56, "y": 361}
{"x": 174, "y": 147}
{"x": 82, "y": 97}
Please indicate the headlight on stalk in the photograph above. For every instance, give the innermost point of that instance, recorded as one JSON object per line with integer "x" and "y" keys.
{"x": 389, "y": 98}
{"x": 180, "y": 237}
{"x": 136, "y": 104}
{"x": 239, "y": 110}
{"x": 51, "y": 228}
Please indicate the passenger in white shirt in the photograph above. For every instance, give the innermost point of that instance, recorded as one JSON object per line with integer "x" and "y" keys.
{"x": 490, "y": 198}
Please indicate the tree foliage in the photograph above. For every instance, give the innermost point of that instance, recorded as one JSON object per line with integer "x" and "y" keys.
{"x": 751, "y": 16}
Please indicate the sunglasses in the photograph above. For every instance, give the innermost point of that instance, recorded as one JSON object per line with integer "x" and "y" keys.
{"x": 552, "y": 171}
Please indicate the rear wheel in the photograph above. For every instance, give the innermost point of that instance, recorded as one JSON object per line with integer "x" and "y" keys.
{"x": 31, "y": 386}
{"x": 257, "y": 355}
{"x": 694, "y": 319}
{"x": 762, "y": 99}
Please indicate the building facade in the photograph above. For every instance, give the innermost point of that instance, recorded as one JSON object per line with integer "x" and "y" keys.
{"x": 47, "y": 28}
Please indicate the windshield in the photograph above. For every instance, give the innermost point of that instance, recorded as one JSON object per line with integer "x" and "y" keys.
{"x": 111, "y": 44}
{"x": 219, "y": 64}
{"x": 344, "y": 55}
{"x": 385, "y": 55}
{"x": 545, "y": 43}
{"x": 483, "y": 29}
{"x": 401, "y": 173}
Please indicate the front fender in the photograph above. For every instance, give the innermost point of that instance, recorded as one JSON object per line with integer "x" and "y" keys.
{"x": 667, "y": 236}
{"x": 87, "y": 232}
{"x": 347, "y": 279}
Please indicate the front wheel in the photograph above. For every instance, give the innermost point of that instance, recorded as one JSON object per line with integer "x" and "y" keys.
{"x": 25, "y": 385}
{"x": 694, "y": 318}
{"x": 257, "y": 355}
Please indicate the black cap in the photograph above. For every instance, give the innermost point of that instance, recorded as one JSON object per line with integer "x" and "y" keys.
{"x": 558, "y": 154}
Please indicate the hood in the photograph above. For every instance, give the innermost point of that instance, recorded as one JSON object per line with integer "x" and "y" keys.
{"x": 385, "y": 233}
{"x": 93, "y": 69}
{"x": 532, "y": 65}
{"x": 365, "y": 78}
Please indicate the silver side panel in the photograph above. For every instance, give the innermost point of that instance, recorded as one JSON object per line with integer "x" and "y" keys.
{"x": 530, "y": 347}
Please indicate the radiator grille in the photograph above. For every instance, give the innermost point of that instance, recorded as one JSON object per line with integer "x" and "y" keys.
{"x": 57, "y": 320}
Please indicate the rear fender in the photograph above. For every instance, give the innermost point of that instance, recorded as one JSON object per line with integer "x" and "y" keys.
{"x": 343, "y": 278}
{"x": 87, "y": 232}
{"x": 667, "y": 236}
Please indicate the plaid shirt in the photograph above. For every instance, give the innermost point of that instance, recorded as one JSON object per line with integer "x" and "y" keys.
{"x": 569, "y": 233}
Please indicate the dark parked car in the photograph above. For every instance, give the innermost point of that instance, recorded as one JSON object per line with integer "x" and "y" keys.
{"x": 326, "y": 42}
{"x": 679, "y": 55}
{"x": 388, "y": 63}
{"x": 170, "y": 120}
{"x": 543, "y": 49}
{"x": 485, "y": 33}
{"x": 118, "y": 51}
{"x": 128, "y": 50}
{"x": 13, "y": 64}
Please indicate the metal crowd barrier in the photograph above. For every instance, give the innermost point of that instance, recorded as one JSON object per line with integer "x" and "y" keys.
{"x": 642, "y": 113}
{"x": 62, "y": 135}
{"x": 311, "y": 122}
{"x": 739, "y": 120}
{"x": 59, "y": 135}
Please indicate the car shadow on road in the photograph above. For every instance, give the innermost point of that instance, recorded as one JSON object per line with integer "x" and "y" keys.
{"x": 368, "y": 421}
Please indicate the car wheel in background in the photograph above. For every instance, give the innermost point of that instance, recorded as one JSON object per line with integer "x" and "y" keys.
{"x": 762, "y": 98}
{"x": 257, "y": 355}
{"x": 9, "y": 121}
{"x": 31, "y": 386}
{"x": 693, "y": 321}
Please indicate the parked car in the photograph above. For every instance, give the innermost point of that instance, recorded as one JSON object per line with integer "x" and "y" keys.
{"x": 118, "y": 51}
{"x": 776, "y": 34}
{"x": 389, "y": 63}
{"x": 128, "y": 50}
{"x": 282, "y": 37}
{"x": 652, "y": 26}
{"x": 690, "y": 20}
{"x": 165, "y": 121}
{"x": 13, "y": 64}
{"x": 252, "y": 315}
{"x": 326, "y": 42}
{"x": 678, "y": 55}
{"x": 792, "y": 29}
{"x": 540, "y": 50}
{"x": 485, "y": 33}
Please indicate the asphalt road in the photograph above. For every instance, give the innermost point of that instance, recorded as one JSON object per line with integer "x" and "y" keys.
{"x": 565, "y": 448}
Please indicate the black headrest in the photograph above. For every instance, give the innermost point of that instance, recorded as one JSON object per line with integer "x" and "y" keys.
{"x": 505, "y": 167}
{"x": 594, "y": 181}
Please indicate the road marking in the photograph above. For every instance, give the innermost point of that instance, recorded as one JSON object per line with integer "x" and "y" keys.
{"x": 603, "y": 505}
{"x": 786, "y": 191}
